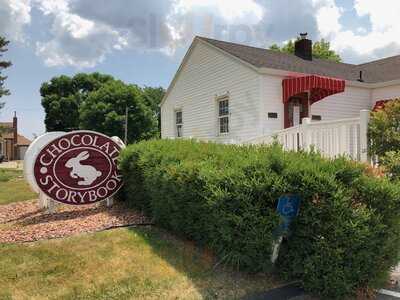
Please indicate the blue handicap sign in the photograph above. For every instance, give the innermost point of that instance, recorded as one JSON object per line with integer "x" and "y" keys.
{"x": 288, "y": 209}
{"x": 288, "y": 205}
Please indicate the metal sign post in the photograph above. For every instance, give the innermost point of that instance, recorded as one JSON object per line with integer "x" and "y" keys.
{"x": 288, "y": 209}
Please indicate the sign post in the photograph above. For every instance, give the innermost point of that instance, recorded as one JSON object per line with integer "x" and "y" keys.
{"x": 288, "y": 209}
{"x": 110, "y": 202}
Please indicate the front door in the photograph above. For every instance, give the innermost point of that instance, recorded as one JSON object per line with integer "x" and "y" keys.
{"x": 295, "y": 110}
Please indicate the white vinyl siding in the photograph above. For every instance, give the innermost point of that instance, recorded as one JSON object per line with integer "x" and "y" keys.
{"x": 207, "y": 75}
{"x": 343, "y": 105}
{"x": 271, "y": 91}
{"x": 385, "y": 93}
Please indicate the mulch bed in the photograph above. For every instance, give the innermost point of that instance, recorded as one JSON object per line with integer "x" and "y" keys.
{"x": 25, "y": 222}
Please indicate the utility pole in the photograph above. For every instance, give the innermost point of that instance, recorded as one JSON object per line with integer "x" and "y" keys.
{"x": 126, "y": 125}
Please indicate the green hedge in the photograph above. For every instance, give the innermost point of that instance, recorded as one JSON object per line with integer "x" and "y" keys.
{"x": 346, "y": 236}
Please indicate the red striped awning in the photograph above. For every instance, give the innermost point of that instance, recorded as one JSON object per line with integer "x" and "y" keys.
{"x": 319, "y": 87}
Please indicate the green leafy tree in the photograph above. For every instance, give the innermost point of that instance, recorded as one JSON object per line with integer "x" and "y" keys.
{"x": 97, "y": 102}
{"x": 152, "y": 97}
{"x": 384, "y": 137}
{"x": 3, "y": 65}
{"x": 321, "y": 49}
{"x": 104, "y": 111}
{"x": 62, "y": 96}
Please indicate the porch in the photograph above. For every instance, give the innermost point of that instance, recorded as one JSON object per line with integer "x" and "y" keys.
{"x": 333, "y": 138}
{"x": 347, "y": 137}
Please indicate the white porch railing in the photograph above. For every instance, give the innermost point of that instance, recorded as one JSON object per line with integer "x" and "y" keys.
{"x": 331, "y": 138}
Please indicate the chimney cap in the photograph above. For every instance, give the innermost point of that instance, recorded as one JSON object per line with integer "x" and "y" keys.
{"x": 303, "y": 35}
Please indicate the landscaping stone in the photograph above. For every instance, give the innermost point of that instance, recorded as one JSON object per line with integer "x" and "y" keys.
{"x": 25, "y": 222}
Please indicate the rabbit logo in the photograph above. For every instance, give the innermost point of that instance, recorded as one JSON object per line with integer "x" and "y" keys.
{"x": 88, "y": 173}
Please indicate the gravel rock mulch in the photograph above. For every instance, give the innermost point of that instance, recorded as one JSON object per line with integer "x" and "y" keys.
{"x": 25, "y": 222}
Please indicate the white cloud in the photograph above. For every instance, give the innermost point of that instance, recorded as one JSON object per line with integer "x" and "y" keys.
{"x": 327, "y": 15}
{"x": 75, "y": 41}
{"x": 357, "y": 44}
{"x": 285, "y": 19}
{"x": 233, "y": 12}
{"x": 384, "y": 14}
{"x": 83, "y": 32}
{"x": 14, "y": 16}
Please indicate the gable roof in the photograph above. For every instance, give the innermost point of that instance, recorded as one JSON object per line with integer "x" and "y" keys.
{"x": 21, "y": 140}
{"x": 382, "y": 70}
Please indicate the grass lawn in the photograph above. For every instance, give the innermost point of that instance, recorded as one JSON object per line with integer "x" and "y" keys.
{"x": 141, "y": 263}
{"x": 13, "y": 187}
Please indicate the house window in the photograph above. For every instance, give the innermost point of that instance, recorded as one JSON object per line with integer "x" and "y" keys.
{"x": 179, "y": 123}
{"x": 223, "y": 115}
{"x": 316, "y": 118}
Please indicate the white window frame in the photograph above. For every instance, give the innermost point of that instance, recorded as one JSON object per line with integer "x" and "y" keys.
{"x": 178, "y": 133}
{"x": 224, "y": 115}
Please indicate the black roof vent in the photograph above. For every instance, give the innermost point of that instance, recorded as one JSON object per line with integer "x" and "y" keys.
{"x": 303, "y": 47}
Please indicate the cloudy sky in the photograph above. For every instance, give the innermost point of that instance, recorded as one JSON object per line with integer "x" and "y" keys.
{"x": 143, "y": 41}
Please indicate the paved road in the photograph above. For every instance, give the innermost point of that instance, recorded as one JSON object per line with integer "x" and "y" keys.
{"x": 294, "y": 292}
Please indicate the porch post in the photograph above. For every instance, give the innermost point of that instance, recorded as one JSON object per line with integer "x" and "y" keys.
{"x": 364, "y": 119}
{"x": 305, "y": 126}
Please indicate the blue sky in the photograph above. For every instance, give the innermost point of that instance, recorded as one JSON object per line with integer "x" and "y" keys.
{"x": 143, "y": 42}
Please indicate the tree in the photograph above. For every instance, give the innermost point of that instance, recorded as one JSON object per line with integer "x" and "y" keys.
{"x": 384, "y": 137}
{"x": 104, "y": 111}
{"x": 3, "y": 65}
{"x": 152, "y": 97}
{"x": 62, "y": 96}
{"x": 321, "y": 49}
{"x": 97, "y": 102}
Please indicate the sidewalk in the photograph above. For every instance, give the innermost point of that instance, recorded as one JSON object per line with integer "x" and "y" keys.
{"x": 15, "y": 164}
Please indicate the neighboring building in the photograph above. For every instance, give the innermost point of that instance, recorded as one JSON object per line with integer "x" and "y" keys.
{"x": 12, "y": 145}
{"x": 232, "y": 93}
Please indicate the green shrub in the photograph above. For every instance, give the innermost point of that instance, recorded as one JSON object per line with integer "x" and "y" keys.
{"x": 391, "y": 163}
{"x": 383, "y": 129}
{"x": 224, "y": 197}
{"x": 384, "y": 136}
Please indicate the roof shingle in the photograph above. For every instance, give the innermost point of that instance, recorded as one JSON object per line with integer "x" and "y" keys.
{"x": 373, "y": 72}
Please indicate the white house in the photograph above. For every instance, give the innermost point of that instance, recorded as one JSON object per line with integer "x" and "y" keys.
{"x": 234, "y": 93}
